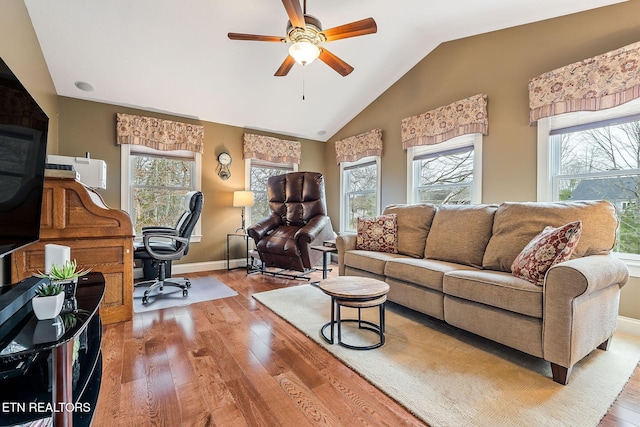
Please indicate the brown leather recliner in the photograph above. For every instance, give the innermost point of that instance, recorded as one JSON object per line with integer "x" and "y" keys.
{"x": 298, "y": 220}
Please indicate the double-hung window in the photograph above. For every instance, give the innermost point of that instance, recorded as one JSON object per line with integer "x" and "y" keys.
{"x": 360, "y": 184}
{"x": 446, "y": 173}
{"x": 595, "y": 156}
{"x": 259, "y": 172}
{"x": 154, "y": 183}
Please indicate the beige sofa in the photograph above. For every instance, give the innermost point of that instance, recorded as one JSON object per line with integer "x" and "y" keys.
{"x": 453, "y": 263}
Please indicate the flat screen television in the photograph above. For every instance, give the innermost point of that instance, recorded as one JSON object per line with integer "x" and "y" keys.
{"x": 23, "y": 145}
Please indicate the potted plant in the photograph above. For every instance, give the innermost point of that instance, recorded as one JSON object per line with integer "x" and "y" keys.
{"x": 48, "y": 300}
{"x": 67, "y": 275}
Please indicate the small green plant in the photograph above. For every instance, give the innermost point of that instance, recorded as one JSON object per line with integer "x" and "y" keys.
{"x": 66, "y": 271}
{"x": 49, "y": 289}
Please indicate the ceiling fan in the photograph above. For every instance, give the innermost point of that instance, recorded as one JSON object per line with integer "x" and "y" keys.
{"x": 305, "y": 34}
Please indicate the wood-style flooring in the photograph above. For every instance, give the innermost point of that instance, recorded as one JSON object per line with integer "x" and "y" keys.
{"x": 232, "y": 362}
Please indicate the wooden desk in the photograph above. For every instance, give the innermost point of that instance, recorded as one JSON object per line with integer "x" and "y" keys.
{"x": 100, "y": 238}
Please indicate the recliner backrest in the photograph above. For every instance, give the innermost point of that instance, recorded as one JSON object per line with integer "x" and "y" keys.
{"x": 193, "y": 202}
{"x": 297, "y": 196}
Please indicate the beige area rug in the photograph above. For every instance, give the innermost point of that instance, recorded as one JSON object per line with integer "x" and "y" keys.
{"x": 448, "y": 377}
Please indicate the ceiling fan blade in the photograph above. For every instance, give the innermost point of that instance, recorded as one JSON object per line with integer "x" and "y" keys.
{"x": 334, "y": 62}
{"x": 357, "y": 28}
{"x": 296, "y": 16}
{"x": 254, "y": 37}
{"x": 285, "y": 67}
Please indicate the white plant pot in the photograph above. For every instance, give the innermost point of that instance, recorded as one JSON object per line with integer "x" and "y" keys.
{"x": 47, "y": 307}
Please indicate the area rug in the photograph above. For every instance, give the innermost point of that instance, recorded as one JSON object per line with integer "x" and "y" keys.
{"x": 202, "y": 289}
{"x": 448, "y": 377}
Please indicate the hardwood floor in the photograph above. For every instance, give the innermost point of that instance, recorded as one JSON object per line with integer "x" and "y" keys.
{"x": 232, "y": 362}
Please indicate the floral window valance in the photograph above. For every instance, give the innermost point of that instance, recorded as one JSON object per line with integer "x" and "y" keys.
{"x": 164, "y": 135}
{"x": 359, "y": 146}
{"x": 271, "y": 149}
{"x": 436, "y": 126}
{"x": 593, "y": 84}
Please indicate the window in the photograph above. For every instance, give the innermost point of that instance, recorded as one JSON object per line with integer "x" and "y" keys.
{"x": 359, "y": 183}
{"x": 446, "y": 173}
{"x": 154, "y": 183}
{"x": 594, "y": 156}
{"x": 259, "y": 172}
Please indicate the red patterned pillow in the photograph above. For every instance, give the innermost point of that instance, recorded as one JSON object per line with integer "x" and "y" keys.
{"x": 551, "y": 246}
{"x": 378, "y": 234}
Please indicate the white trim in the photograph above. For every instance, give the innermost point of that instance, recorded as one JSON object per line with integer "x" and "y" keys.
{"x": 629, "y": 325}
{"x": 343, "y": 215}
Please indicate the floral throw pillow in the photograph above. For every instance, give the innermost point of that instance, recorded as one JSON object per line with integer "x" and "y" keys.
{"x": 378, "y": 234}
{"x": 551, "y": 246}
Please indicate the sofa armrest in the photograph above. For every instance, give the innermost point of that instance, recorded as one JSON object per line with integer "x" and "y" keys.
{"x": 581, "y": 298}
{"x": 344, "y": 242}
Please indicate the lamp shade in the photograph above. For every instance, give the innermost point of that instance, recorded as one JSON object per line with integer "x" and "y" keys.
{"x": 304, "y": 52}
{"x": 242, "y": 199}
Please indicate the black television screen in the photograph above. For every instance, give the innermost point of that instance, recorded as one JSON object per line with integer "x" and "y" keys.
{"x": 23, "y": 144}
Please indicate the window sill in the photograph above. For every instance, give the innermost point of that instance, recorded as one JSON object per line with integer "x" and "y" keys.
{"x": 632, "y": 264}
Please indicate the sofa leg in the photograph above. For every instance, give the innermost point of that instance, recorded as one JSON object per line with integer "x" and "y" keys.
{"x": 605, "y": 345}
{"x": 560, "y": 373}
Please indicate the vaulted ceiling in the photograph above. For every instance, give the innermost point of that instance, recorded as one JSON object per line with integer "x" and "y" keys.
{"x": 174, "y": 56}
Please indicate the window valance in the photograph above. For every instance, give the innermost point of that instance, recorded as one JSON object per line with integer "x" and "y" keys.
{"x": 359, "y": 146}
{"x": 271, "y": 149}
{"x": 443, "y": 123}
{"x": 164, "y": 135}
{"x": 594, "y": 84}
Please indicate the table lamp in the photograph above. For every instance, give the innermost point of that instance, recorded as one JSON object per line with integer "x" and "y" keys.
{"x": 242, "y": 199}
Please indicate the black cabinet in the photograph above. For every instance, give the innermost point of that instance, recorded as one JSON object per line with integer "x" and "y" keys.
{"x": 53, "y": 368}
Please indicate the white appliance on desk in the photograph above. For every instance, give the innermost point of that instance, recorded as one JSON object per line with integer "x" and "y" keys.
{"x": 93, "y": 172}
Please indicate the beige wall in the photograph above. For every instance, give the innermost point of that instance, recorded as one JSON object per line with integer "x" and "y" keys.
{"x": 20, "y": 49}
{"x": 90, "y": 126}
{"x": 499, "y": 64}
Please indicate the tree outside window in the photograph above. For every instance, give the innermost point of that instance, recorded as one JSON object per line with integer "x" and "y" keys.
{"x": 360, "y": 182}
{"x": 601, "y": 161}
{"x": 444, "y": 177}
{"x": 158, "y": 186}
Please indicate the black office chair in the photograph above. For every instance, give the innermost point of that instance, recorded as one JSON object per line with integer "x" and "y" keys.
{"x": 162, "y": 244}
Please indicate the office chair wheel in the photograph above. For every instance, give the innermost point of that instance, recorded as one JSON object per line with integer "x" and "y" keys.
{"x": 188, "y": 283}
{"x": 185, "y": 292}
{"x": 145, "y": 300}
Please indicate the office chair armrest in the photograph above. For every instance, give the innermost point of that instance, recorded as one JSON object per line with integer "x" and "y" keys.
{"x": 181, "y": 245}
{"x": 310, "y": 231}
{"x": 261, "y": 228}
{"x": 160, "y": 230}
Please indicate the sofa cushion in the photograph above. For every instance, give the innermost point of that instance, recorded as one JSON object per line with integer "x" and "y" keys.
{"x": 495, "y": 288}
{"x": 459, "y": 233}
{"x": 414, "y": 222}
{"x": 427, "y": 273}
{"x": 368, "y": 260}
{"x": 550, "y": 247}
{"x": 515, "y": 224}
{"x": 378, "y": 234}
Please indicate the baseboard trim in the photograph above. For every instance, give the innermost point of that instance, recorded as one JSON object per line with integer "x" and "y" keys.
{"x": 629, "y": 325}
{"x": 195, "y": 267}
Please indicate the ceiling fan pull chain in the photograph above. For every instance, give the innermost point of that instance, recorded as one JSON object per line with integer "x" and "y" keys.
{"x": 303, "y": 67}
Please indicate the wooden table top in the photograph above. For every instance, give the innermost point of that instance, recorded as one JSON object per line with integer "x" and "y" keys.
{"x": 346, "y": 287}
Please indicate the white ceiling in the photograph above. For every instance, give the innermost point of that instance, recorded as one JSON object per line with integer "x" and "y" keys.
{"x": 173, "y": 56}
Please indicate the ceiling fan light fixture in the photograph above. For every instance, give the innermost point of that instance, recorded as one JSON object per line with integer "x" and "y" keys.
{"x": 304, "y": 52}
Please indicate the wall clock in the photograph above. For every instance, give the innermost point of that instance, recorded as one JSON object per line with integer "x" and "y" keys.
{"x": 224, "y": 160}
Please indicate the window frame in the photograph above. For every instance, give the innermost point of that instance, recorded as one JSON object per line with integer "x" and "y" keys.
{"x": 125, "y": 181}
{"x": 474, "y": 140}
{"x": 546, "y": 157}
{"x": 344, "y": 167}
{"x": 248, "y": 164}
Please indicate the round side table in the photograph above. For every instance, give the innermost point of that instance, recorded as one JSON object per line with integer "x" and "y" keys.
{"x": 356, "y": 292}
